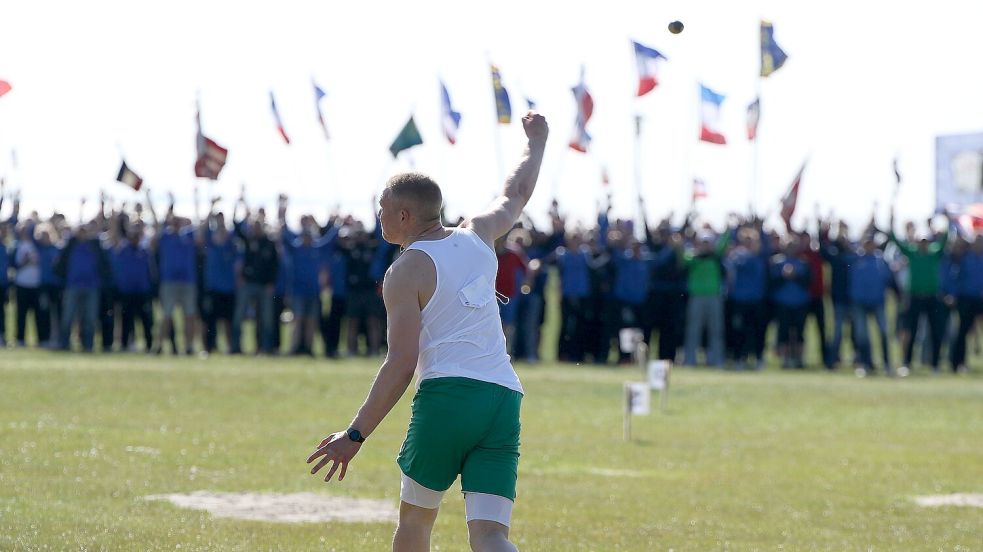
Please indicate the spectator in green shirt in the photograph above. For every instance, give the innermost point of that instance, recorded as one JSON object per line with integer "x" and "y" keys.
{"x": 705, "y": 309}
{"x": 924, "y": 264}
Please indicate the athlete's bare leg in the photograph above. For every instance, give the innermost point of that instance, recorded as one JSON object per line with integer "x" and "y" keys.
{"x": 489, "y": 536}
{"x": 414, "y": 528}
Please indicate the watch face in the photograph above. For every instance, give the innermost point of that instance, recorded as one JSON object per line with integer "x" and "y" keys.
{"x": 355, "y": 435}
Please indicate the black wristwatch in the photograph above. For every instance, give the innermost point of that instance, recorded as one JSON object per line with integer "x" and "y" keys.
{"x": 355, "y": 435}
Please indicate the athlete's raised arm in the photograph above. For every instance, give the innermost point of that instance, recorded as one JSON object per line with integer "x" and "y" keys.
{"x": 505, "y": 210}
{"x": 401, "y": 293}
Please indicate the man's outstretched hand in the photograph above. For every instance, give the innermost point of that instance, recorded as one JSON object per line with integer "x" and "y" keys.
{"x": 337, "y": 448}
{"x": 535, "y": 126}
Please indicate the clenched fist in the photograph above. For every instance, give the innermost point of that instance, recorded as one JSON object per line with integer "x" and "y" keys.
{"x": 535, "y": 126}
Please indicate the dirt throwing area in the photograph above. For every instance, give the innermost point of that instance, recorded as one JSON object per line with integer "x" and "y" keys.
{"x": 285, "y": 508}
{"x": 958, "y": 499}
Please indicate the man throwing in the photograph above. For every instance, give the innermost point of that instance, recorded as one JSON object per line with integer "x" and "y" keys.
{"x": 445, "y": 326}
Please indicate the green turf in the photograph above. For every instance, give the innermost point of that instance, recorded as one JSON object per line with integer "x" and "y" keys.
{"x": 741, "y": 461}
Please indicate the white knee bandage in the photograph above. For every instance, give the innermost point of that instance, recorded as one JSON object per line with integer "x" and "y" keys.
{"x": 413, "y": 493}
{"x": 488, "y": 507}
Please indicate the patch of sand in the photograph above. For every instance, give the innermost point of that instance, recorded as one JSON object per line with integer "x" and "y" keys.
{"x": 286, "y": 508}
{"x": 958, "y": 499}
{"x": 143, "y": 450}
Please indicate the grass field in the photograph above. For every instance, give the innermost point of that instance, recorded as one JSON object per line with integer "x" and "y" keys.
{"x": 741, "y": 461}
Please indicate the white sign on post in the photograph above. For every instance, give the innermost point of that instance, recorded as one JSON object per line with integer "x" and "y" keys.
{"x": 658, "y": 373}
{"x": 639, "y": 398}
{"x": 628, "y": 339}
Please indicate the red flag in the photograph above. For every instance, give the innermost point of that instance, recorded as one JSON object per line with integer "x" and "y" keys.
{"x": 211, "y": 156}
{"x": 791, "y": 197}
{"x": 4, "y": 87}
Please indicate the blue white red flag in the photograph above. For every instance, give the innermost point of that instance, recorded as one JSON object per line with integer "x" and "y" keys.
{"x": 450, "y": 119}
{"x": 585, "y": 108}
{"x": 753, "y": 115}
{"x": 710, "y": 128}
{"x": 319, "y": 94}
{"x": 276, "y": 117}
{"x": 648, "y": 61}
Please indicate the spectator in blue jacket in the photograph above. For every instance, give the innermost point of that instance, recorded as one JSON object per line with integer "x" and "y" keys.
{"x": 5, "y": 229}
{"x": 839, "y": 253}
{"x": 870, "y": 277}
{"x": 969, "y": 299}
{"x": 337, "y": 263}
{"x": 573, "y": 264}
{"x": 219, "y": 286}
{"x": 790, "y": 277}
{"x": 84, "y": 266}
{"x": 133, "y": 273}
{"x": 175, "y": 243}
{"x": 632, "y": 269}
{"x": 748, "y": 268}
{"x": 50, "y": 297}
{"x": 307, "y": 274}
{"x": 532, "y": 289}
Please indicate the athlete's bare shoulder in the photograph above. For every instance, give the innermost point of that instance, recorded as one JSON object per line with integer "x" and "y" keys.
{"x": 412, "y": 272}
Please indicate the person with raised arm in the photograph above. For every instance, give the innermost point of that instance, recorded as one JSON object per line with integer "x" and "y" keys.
{"x": 444, "y": 325}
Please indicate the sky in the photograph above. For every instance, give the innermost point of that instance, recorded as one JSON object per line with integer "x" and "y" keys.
{"x": 94, "y": 82}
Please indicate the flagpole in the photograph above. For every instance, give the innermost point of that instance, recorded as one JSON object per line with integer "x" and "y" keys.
{"x": 755, "y": 151}
{"x": 638, "y": 164}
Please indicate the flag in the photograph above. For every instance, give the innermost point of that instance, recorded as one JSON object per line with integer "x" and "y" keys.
{"x": 406, "y": 139}
{"x": 318, "y": 96}
{"x": 699, "y": 189}
{"x": 772, "y": 56}
{"x": 210, "y": 156}
{"x": 897, "y": 173}
{"x": 791, "y": 197}
{"x": 753, "y": 114}
{"x": 451, "y": 119}
{"x": 585, "y": 108}
{"x": 276, "y": 117}
{"x": 530, "y": 104}
{"x": 648, "y": 61}
{"x": 4, "y": 87}
{"x": 502, "y": 104}
{"x": 605, "y": 180}
{"x": 128, "y": 177}
{"x": 709, "y": 131}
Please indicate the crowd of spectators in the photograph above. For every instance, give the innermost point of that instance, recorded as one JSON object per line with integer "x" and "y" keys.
{"x": 700, "y": 294}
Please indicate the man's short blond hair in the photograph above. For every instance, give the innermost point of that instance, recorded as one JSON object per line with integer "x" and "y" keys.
{"x": 418, "y": 193}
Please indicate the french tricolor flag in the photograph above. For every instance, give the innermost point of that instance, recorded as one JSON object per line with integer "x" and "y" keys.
{"x": 648, "y": 61}
{"x": 450, "y": 119}
{"x": 585, "y": 108}
{"x": 276, "y": 117}
{"x": 710, "y": 129}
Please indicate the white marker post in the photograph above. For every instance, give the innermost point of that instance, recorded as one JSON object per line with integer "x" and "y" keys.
{"x": 658, "y": 377}
{"x": 637, "y": 403}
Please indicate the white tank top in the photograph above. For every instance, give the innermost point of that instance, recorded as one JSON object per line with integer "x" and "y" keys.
{"x": 461, "y": 334}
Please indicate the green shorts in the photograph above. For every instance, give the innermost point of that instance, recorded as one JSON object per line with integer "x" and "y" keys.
{"x": 467, "y": 427}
